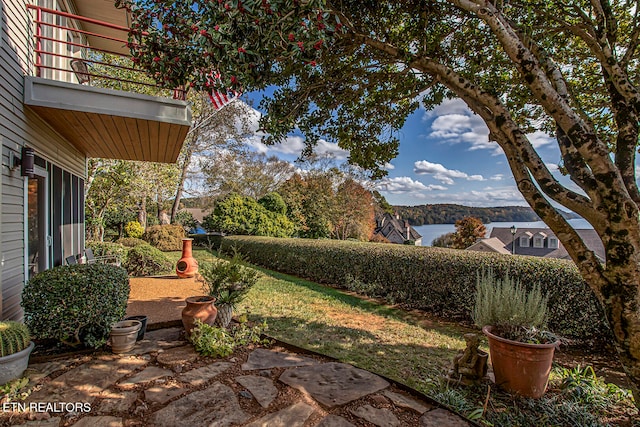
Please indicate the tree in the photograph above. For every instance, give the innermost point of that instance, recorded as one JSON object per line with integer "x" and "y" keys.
{"x": 237, "y": 214}
{"x": 443, "y": 241}
{"x": 355, "y": 215}
{"x": 352, "y": 71}
{"x": 468, "y": 230}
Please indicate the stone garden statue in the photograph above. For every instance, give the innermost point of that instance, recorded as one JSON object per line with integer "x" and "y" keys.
{"x": 470, "y": 365}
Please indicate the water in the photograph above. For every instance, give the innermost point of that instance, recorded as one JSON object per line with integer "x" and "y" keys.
{"x": 430, "y": 232}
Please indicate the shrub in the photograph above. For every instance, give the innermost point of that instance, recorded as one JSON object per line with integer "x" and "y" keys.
{"x": 76, "y": 304}
{"x": 437, "y": 280}
{"x": 145, "y": 260}
{"x": 517, "y": 314}
{"x": 107, "y": 248}
{"x": 165, "y": 237}
{"x": 228, "y": 282}
{"x": 133, "y": 229}
{"x": 221, "y": 342}
{"x": 130, "y": 242}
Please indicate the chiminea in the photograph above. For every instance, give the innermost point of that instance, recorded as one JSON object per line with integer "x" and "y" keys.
{"x": 187, "y": 265}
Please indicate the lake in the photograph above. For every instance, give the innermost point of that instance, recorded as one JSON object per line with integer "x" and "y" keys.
{"x": 430, "y": 232}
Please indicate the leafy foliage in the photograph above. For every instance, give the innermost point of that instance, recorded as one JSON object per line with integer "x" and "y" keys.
{"x": 133, "y": 229}
{"x": 468, "y": 231}
{"x": 76, "y": 304}
{"x": 506, "y": 305}
{"x": 165, "y": 237}
{"x": 227, "y": 281}
{"x": 221, "y": 342}
{"x": 130, "y": 242}
{"x": 236, "y": 214}
{"x": 145, "y": 260}
{"x": 436, "y": 280}
{"x": 115, "y": 250}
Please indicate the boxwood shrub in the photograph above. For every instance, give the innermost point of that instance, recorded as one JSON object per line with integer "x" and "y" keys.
{"x": 76, "y": 304}
{"x": 145, "y": 260}
{"x": 130, "y": 242}
{"x": 165, "y": 237}
{"x": 107, "y": 248}
{"x": 437, "y": 280}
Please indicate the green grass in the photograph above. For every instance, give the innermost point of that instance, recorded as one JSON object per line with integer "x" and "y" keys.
{"x": 416, "y": 351}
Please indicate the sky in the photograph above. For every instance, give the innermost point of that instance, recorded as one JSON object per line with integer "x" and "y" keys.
{"x": 444, "y": 157}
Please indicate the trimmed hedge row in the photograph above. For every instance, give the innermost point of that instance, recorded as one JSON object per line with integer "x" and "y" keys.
{"x": 440, "y": 281}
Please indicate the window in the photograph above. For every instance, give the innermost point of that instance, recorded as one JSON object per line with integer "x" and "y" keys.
{"x": 553, "y": 242}
{"x": 538, "y": 242}
{"x": 524, "y": 241}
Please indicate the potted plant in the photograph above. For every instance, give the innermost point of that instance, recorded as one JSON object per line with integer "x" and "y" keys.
{"x": 15, "y": 348}
{"x": 228, "y": 282}
{"x": 514, "y": 320}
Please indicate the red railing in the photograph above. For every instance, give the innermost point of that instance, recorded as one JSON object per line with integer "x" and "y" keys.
{"x": 62, "y": 52}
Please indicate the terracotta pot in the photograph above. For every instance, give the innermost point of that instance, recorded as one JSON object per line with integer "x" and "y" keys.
{"x": 225, "y": 312}
{"x": 518, "y": 367}
{"x": 187, "y": 266}
{"x": 201, "y": 308}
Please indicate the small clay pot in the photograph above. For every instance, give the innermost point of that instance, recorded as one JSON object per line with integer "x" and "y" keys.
{"x": 124, "y": 334}
{"x": 201, "y": 308}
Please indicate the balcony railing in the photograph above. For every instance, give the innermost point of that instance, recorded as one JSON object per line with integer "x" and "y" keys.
{"x": 74, "y": 49}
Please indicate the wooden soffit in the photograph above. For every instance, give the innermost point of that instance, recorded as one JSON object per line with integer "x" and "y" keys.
{"x": 111, "y": 124}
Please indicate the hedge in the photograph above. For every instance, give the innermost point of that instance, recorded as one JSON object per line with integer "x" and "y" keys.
{"x": 76, "y": 304}
{"x": 437, "y": 280}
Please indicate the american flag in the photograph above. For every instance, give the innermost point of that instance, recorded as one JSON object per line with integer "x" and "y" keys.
{"x": 220, "y": 99}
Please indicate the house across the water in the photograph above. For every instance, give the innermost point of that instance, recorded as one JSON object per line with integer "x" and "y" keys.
{"x": 540, "y": 242}
{"x": 396, "y": 230}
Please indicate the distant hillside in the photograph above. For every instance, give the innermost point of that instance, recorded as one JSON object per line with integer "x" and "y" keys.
{"x": 449, "y": 214}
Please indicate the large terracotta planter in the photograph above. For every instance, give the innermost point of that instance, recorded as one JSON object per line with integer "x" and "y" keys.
{"x": 518, "y": 367}
{"x": 187, "y": 265}
{"x": 201, "y": 308}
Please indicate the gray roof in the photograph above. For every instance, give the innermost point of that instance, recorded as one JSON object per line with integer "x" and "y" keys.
{"x": 398, "y": 224}
{"x": 588, "y": 236}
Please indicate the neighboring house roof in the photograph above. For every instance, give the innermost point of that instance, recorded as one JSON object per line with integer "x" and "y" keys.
{"x": 491, "y": 244}
{"x": 395, "y": 230}
{"x": 198, "y": 214}
{"x": 588, "y": 236}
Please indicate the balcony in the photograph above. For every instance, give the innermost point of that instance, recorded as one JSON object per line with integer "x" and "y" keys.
{"x": 84, "y": 85}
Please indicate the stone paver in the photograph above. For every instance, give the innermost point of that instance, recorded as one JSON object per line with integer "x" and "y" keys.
{"x": 260, "y": 387}
{"x": 216, "y": 405}
{"x": 334, "y": 421}
{"x": 291, "y": 416}
{"x": 379, "y": 417}
{"x": 149, "y": 374}
{"x": 333, "y": 384}
{"x": 37, "y": 371}
{"x": 162, "y": 393}
{"x": 117, "y": 401}
{"x": 51, "y": 422}
{"x": 198, "y": 377}
{"x": 85, "y": 382}
{"x": 267, "y": 359}
{"x": 160, "y": 339}
{"x": 99, "y": 422}
{"x": 403, "y": 401}
{"x": 177, "y": 356}
{"x": 442, "y": 418}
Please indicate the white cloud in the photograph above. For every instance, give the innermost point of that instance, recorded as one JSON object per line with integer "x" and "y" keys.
{"x": 553, "y": 167}
{"x": 441, "y": 173}
{"x": 503, "y": 196}
{"x": 539, "y": 138}
{"x": 389, "y": 166}
{"x": 404, "y": 184}
{"x": 497, "y": 177}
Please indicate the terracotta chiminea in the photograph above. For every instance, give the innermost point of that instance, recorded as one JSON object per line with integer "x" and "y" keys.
{"x": 187, "y": 265}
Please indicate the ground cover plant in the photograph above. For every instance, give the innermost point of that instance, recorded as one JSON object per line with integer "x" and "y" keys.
{"x": 417, "y": 350}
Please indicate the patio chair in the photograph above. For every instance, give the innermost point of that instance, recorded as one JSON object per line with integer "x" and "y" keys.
{"x": 71, "y": 259}
{"x": 103, "y": 259}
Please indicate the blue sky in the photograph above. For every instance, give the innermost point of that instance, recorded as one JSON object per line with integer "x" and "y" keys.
{"x": 445, "y": 157}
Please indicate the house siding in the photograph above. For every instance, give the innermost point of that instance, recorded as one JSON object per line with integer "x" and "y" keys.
{"x": 19, "y": 126}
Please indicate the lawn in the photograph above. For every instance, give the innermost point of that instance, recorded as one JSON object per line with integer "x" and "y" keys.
{"x": 417, "y": 350}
